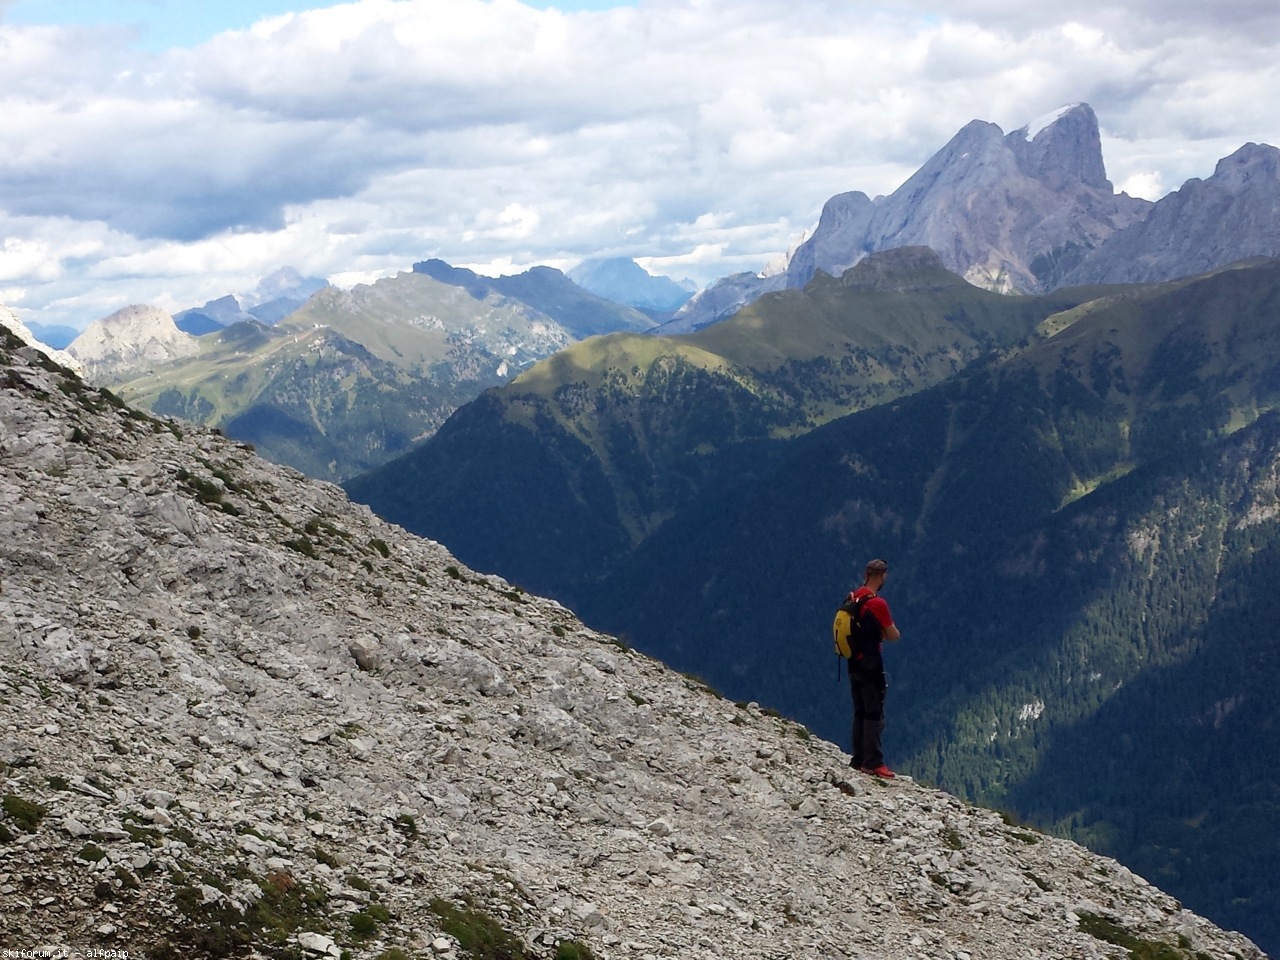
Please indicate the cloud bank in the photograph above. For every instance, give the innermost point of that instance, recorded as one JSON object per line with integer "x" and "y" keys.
{"x": 703, "y": 135}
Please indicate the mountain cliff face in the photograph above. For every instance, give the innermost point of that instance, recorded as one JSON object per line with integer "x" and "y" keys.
{"x": 129, "y": 343}
{"x": 1233, "y": 215}
{"x": 1008, "y": 212}
{"x": 245, "y": 717}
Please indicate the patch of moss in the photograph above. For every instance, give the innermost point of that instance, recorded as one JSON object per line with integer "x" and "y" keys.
{"x": 91, "y": 852}
{"x": 219, "y": 930}
{"x": 304, "y": 546}
{"x": 27, "y": 814}
{"x": 1109, "y": 931}
{"x": 481, "y": 936}
{"x": 381, "y": 547}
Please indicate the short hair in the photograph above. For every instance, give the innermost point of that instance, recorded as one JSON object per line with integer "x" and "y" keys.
{"x": 876, "y": 567}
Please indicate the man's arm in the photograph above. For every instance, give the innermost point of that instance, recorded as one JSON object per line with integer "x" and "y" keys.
{"x": 880, "y": 610}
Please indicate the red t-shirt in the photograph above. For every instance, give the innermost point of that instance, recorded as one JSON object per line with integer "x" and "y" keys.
{"x": 876, "y": 606}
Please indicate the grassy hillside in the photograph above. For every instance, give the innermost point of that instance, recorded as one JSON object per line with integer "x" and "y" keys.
{"x": 648, "y": 423}
{"x": 354, "y": 378}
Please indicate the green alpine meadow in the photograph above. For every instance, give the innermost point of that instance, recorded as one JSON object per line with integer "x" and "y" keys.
{"x": 1077, "y": 494}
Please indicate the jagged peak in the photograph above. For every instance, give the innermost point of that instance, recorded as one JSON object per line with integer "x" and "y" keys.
{"x": 1063, "y": 142}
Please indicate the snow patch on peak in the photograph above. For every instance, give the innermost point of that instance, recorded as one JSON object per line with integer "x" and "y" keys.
{"x": 1044, "y": 122}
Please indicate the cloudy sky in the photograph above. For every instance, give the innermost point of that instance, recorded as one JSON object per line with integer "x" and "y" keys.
{"x": 172, "y": 151}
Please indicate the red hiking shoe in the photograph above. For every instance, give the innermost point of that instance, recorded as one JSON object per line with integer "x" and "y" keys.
{"x": 883, "y": 772}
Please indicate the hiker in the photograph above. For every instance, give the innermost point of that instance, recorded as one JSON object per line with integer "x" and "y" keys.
{"x": 866, "y": 670}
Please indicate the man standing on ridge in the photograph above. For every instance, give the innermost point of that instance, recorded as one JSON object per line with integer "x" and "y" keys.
{"x": 873, "y": 624}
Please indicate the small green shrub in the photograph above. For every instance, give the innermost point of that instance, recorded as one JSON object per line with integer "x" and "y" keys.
{"x": 573, "y": 950}
{"x": 407, "y": 825}
{"x": 363, "y": 925}
{"x": 381, "y": 547}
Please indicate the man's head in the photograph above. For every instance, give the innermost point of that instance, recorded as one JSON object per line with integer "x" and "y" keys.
{"x": 876, "y": 571}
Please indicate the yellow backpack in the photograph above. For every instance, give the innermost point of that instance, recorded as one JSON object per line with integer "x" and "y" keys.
{"x": 842, "y": 628}
{"x": 848, "y": 632}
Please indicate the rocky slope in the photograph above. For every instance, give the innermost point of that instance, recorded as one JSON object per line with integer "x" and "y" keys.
{"x": 242, "y": 714}
{"x": 10, "y": 320}
{"x": 131, "y": 342}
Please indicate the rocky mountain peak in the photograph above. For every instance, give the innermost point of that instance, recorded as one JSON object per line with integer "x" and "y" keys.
{"x": 246, "y": 717}
{"x": 130, "y": 341}
{"x": 1010, "y": 213}
{"x": 1253, "y": 162}
{"x": 1063, "y": 144}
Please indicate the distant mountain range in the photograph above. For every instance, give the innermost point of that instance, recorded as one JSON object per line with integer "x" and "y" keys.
{"x": 625, "y": 281}
{"x": 1076, "y": 491}
{"x": 1032, "y": 211}
{"x": 53, "y": 335}
{"x": 276, "y": 297}
{"x": 350, "y": 378}
{"x": 581, "y": 312}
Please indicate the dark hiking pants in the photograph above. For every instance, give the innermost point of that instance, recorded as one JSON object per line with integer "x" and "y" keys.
{"x": 868, "y": 683}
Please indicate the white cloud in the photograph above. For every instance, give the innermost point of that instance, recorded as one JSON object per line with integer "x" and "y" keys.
{"x": 703, "y": 134}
